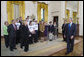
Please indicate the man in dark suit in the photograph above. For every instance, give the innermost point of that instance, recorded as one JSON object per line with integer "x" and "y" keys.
{"x": 12, "y": 35}
{"x": 63, "y": 30}
{"x": 70, "y": 35}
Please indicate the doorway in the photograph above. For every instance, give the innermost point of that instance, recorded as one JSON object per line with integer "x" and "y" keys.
{"x": 55, "y": 19}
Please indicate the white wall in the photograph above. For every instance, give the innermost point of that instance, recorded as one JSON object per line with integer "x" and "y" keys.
{"x": 57, "y": 8}
{"x": 81, "y": 18}
{"x": 62, "y": 15}
{"x": 30, "y": 8}
{"x": 3, "y": 14}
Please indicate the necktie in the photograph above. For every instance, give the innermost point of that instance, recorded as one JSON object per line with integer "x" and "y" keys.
{"x": 14, "y": 27}
{"x": 69, "y": 27}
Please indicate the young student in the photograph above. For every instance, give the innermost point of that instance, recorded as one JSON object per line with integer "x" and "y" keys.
{"x": 36, "y": 31}
{"x": 5, "y": 32}
{"x": 32, "y": 31}
{"x": 28, "y": 20}
{"x": 51, "y": 30}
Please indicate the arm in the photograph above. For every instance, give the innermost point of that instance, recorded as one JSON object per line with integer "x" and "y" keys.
{"x": 62, "y": 26}
{"x": 9, "y": 29}
{"x": 65, "y": 32}
{"x": 74, "y": 30}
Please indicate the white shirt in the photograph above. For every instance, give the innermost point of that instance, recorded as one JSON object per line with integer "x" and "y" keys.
{"x": 18, "y": 25}
{"x": 31, "y": 28}
{"x": 28, "y": 21}
{"x": 70, "y": 23}
{"x": 33, "y": 23}
{"x": 35, "y": 26}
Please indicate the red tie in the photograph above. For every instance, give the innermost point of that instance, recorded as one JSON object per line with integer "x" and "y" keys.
{"x": 14, "y": 27}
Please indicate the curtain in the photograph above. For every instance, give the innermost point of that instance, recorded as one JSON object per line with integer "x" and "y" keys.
{"x": 10, "y": 9}
{"x": 67, "y": 14}
{"x": 46, "y": 13}
{"x": 74, "y": 17}
{"x": 45, "y": 7}
{"x": 39, "y": 11}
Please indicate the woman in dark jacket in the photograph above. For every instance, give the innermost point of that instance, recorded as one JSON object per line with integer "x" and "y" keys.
{"x": 24, "y": 36}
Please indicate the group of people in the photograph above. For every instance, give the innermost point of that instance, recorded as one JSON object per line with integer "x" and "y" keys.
{"x": 27, "y": 32}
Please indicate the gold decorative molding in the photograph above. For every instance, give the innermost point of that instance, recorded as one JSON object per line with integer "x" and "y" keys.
{"x": 45, "y": 7}
{"x": 10, "y": 9}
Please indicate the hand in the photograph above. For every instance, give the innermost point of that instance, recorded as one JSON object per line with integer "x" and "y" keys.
{"x": 72, "y": 37}
{"x": 42, "y": 31}
{"x": 30, "y": 35}
{"x": 64, "y": 36}
{"x": 33, "y": 32}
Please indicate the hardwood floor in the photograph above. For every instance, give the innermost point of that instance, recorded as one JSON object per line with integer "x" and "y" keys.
{"x": 78, "y": 50}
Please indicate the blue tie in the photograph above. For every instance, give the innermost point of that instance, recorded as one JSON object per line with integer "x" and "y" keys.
{"x": 69, "y": 27}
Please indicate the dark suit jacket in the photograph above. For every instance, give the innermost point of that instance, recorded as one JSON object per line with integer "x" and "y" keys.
{"x": 63, "y": 28}
{"x": 51, "y": 28}
{"x": 72, "y": 30}
{"x": 24, "y": 33}
{"x": 11, "y": 31}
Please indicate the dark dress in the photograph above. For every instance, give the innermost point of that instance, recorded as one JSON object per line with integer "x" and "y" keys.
{"x": 46, "y": 30}
{"x": 24, "y": 32}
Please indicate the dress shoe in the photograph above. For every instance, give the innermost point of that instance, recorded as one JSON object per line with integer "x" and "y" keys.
{"x": 71, "y": 51}
{"x": 21, "y": 47}
{"x": 67, "y": 53}
{"x": 25, "y": 50}
{"x": 15, "y": 48}
{"x": 11, "y": 50}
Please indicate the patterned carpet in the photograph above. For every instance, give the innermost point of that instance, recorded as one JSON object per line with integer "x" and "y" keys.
{"x": 45, "y": 48}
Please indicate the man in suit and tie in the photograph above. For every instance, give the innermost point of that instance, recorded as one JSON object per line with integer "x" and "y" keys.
{"x": 12, "y": 35}
{"x": 70, "y": 35}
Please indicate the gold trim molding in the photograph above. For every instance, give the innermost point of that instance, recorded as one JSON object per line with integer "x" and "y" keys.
{"x": 10, "y": 9}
